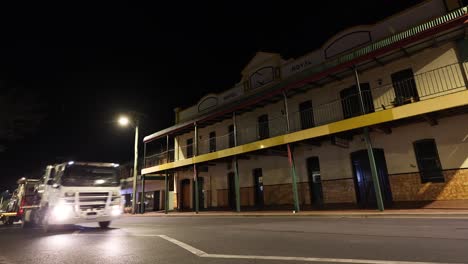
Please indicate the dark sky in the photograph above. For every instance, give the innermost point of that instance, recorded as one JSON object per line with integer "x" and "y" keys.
{"x": 80, "y": 64}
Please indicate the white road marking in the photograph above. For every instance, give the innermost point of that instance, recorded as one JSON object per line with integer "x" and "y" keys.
{"x": 333, "y": 260}
{"x": 184, "y": 246}
{"x": 203, "y": 254}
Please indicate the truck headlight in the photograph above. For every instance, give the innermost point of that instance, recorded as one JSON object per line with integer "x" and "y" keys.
{"x": 62, "y": 211}
{"x": 116, "y": 210}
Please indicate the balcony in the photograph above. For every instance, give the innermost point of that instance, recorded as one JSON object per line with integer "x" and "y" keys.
{"x": 256, "y": 126}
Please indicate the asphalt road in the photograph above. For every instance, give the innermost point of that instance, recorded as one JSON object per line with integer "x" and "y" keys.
{"x": 243, "y": 240}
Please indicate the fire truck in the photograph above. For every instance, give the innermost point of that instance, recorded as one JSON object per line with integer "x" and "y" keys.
{"x": 25, "y": 197}
{"x": 76, "y": 192}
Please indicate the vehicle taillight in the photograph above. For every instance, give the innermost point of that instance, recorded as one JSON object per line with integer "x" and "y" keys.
{"x": 21, "y": 210}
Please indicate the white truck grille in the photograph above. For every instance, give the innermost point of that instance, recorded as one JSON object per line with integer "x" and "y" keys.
{"x": 92, "y": 200}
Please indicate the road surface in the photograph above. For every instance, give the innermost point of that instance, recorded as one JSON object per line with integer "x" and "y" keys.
{"x": 243, "y": 240}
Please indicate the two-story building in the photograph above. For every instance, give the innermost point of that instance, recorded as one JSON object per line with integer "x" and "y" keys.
{"x": 377, "y": 115}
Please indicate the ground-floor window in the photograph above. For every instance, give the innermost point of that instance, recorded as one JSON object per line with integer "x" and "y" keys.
{"x": 428, "y": 160}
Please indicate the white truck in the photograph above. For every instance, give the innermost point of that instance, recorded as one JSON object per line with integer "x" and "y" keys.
{"x": 77, "y": 192}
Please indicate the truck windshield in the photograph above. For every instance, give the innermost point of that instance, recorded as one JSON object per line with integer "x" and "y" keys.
{"x": 78, "y": 175}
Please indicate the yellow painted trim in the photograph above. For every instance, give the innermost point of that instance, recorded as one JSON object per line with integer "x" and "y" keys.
{"x": 409, "y": 110}
{"x": 8, "y": 214}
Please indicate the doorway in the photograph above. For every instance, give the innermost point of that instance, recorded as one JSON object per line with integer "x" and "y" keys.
{"x": 231, "y": 190}
{"x": 201, "y": 197}
{"x": 315, "y": 182}
{"x": 306, "y": 114}
{"x": 404, "y": 87}
{"x": 184, "y": 194}
{"x": 351, "y": 102}
{"x": 363, "y": 182}
{"x": 156, "y": 200}
{"x": 263, "y": 127}
{"x": 258, "y": 187}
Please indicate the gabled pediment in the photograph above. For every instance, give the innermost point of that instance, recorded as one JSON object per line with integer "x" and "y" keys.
{"x": 260, "y": 60}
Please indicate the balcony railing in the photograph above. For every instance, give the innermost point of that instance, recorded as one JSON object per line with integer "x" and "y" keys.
{"x": 433, "y": 83}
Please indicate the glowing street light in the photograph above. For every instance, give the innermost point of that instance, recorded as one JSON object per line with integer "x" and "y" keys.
{"x": 125, "y": 121}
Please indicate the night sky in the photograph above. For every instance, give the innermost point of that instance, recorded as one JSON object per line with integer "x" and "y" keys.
{"x": 68, "y": 70}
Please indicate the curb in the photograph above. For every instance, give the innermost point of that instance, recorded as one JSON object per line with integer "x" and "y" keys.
{"x": 394, "y": 215}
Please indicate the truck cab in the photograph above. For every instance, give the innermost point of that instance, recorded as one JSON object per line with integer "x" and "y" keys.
{"x": 79, "y": 192}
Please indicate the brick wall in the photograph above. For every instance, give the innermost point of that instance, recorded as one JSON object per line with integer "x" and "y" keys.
{"x": 339, "y": 191}
{"x": 408, "y": 187}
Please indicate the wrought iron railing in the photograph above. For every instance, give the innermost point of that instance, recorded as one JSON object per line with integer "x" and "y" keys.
{"x": 387, "y": 41}
{"x": 432, "y": 83}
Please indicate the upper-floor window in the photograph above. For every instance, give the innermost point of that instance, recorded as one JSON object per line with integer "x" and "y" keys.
{"x": 189, "y": 148}
{"x": 428, "y": 160}
{"x": 404, "y": 87}
{"x": 263, "y": 129}
{"x": 306, "y": 114}
{"x": 212, "y": 141}
{"x": 351, "y": 103}
{"x": 231, "y": 136}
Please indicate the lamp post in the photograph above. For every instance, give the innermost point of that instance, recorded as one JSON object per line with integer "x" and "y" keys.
{"x": 125, "y": 121}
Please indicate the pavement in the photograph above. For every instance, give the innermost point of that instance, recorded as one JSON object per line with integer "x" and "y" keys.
{"x": 422, "y": 213}
{"x": 233, "y": 239}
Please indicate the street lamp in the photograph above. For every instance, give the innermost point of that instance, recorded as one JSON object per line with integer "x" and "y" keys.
{"x": 125, "y": 121}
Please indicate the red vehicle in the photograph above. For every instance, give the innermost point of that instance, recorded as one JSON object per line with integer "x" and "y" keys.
{"x": 24, "y": 197}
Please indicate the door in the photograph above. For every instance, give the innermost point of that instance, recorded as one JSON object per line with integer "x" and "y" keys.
{"x": 258, "y": 187}
{"x": 351, "y": 103}
{"x": 404, "y": 87}
{"x": 306, "y": 114}
{"x": 263, "y": 129}
{"x": 363, "y": 182}
{"x": 212, "y": 141}
{"x": 201, "y": 196}
{"x": 157, "y": 200}
{"x": 231, "y": 190}
{"x": 149, "y": 201}
{"x": 189, "y": 148}
{"x": 128, "y": 200}
{"x": 185, "y": 194}
{"x": 315, "y": 182}
{"x": 231, "y": 136}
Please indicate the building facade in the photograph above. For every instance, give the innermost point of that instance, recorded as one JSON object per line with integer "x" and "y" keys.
{"x": 377, "y": 117}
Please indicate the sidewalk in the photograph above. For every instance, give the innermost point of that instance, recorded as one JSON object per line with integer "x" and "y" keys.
{"x": 390, "y": 213}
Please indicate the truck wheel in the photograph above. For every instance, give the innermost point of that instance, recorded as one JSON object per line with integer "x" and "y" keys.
{"x": 46, "y": 227}
{"x": 27, "y": 224}
{"x": 104, "y": 224}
